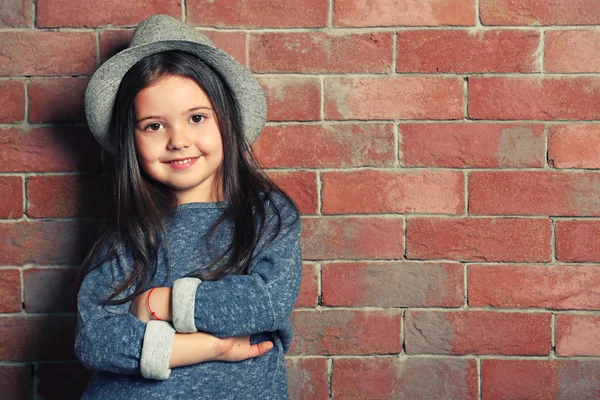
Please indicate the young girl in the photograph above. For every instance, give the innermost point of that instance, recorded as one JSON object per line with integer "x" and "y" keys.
{"x": 188, "y": 291}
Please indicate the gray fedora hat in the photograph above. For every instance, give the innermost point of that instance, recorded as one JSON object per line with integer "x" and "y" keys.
{"x": 162, "y": 33}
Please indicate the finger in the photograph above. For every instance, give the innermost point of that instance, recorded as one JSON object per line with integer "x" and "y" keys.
{"x": 263, "y": 347}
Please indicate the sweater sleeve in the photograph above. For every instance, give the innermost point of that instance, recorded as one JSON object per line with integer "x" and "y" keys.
{"x": 109, "y": 338}
{"x": 238, "y": 305}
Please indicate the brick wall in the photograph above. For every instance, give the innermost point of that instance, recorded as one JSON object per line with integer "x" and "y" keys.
{"x": 444, "y": 154}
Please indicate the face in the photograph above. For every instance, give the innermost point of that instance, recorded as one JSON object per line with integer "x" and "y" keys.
{"x": 177, "y": 138}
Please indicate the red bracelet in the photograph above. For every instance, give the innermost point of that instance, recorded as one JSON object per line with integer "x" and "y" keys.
{"x": 152, "y": 312}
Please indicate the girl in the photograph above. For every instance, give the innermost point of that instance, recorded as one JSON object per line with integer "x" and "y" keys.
{"x": 188, "y": 291}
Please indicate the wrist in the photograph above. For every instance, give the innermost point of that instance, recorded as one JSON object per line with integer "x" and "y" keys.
{"x": 159, "y": 301}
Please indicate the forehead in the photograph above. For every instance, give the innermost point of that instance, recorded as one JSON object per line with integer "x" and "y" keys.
{"x": 171, "y": 92}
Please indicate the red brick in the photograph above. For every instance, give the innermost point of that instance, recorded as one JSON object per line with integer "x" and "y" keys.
{"x": 16, "y": 13}
{"x": 554, "y": 287}
{"x": 47, "y": 53}
{"x": 539, "y": 12}
{"x": 477, "y": 332}
{"x": 327, "y": 145}
{"x": 540, "y": 379}
{"x": 50, "y": 381}
{"x": 377, "y": 191}
{"x": 350, "y": 238}
{"x": 66, "y": 196}
{"x": 479, "y": 239}
{"x": 265, "y": 14}
{"x": 11, "y": 188}
{"x": 57, "y": 100}
{"x": 407, "y": 378}
{"x": 48, "y": 149}
{"x": 308, "y": 378}
{"x": 572, "y": 51}
{"x": 10, "y": 290}
{"x": 393, "y": 284}
{"x": 321, "y": 52}
{"x": 45, "y": 242}
{"x": 37, "y": 338}
{"x": 346, "y": 332}
{"x": 49, "y": 290}
{"x": 403, "y": 12}
{"x": 465, "y": 51}
{"x": 309, "y": 289}
{"x": 286, "y": 93}
{"x": 301, "y": 186}
{"x": 86, "y": 14}
{"x": 534, "y": 193}
{"x": 12, "y": 102}
{"x": 400, "y": 97}
{"x": 578, "y": 335}
{"x": 574, "y": 146}
{"x": 16, "y": 382}
{"x": 572, "y": 98}
{"x": 479, "y": 145}
{"x": 114, "y": 41}
{"x": 577, "y": 241}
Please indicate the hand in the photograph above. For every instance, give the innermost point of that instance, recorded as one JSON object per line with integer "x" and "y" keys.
{"x": 238, "y": 348}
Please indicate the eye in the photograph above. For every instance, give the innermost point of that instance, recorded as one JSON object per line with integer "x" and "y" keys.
{"x": 196, "y": 117}
{"x": 152, "y": 124}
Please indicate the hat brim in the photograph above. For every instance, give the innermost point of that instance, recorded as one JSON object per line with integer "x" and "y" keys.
{"x": 103, "y": 86}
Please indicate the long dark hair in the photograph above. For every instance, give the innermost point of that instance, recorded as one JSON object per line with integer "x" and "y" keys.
{"x": 135, "y": 218}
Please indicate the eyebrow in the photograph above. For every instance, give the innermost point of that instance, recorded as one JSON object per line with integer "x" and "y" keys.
{"x": 185, "y": 112}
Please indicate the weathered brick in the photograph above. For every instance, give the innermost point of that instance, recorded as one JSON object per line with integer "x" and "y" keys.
{"x": 550, "y": 98}
{"x": 308, "y": 378}
{"x": 321, "y": 52}
{"x": 540, "y": 379}
{"x": 479, "y": 239}
{"x": 49, "y": 290}
{"x": 46, "y": 242}
{"x": 477, "y": 332}
{"x": 393, "y": 284}
{"x": 528, "y": 193}
{"x": 578, "y": 335}
{"x": 57, "y": 100}
{"x": 327, "y": 145}
{"x": 479, "y": 145}
{"x": 309, "y": 288}
{"x": 65, "y": 13}
{"x": 37, "y": 338}
{"x": 16, "y": 382}
{"x": 403, "y": 12}
{"x": 466, "y": 51}
{"x": 350, "y": 237}
{"x": 11, "y": 188}
{"x": 574, "y": 146}
{"x": 12, "y": 101}
{"x": 10, "y": 290}
{"x": 246, "y": 14}
{"x": 554, "y": 287}
{"x": 301, "y": 186}
{"x": 48, "y": 149}
{"x": 576, "y": 241}
{"x": 406, "y": 378}
{"x": 50, "y": 380}
{"x": 539, "y": 12}
{"x": 346, "y": 332}
{"x": 376, "y": 191}
{"x": 66, "y": 196}
{"x": 16, "y": 13}
{"x": 572, "y": 51}
{"x": 47, "y": 53}
{"x": 400, "y": 97}
{"x": 285, "y": 94}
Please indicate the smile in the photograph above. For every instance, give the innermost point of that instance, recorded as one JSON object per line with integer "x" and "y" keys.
{"x": 182, "y": 164}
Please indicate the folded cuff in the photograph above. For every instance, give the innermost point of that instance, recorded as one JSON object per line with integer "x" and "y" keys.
{"x": 156, "y": 350}
{"x": 183, "y": 299}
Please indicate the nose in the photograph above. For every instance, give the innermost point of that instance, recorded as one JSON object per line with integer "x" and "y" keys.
{"x": 179, "y": 138}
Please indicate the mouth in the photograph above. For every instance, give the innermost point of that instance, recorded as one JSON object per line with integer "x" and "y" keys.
{"x": 181, "y": 161}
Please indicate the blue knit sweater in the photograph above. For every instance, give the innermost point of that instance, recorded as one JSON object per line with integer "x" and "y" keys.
{"x": 130, "y": 358}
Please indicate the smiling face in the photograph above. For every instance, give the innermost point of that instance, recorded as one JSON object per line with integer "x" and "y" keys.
{"x": 177, "y": 138}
